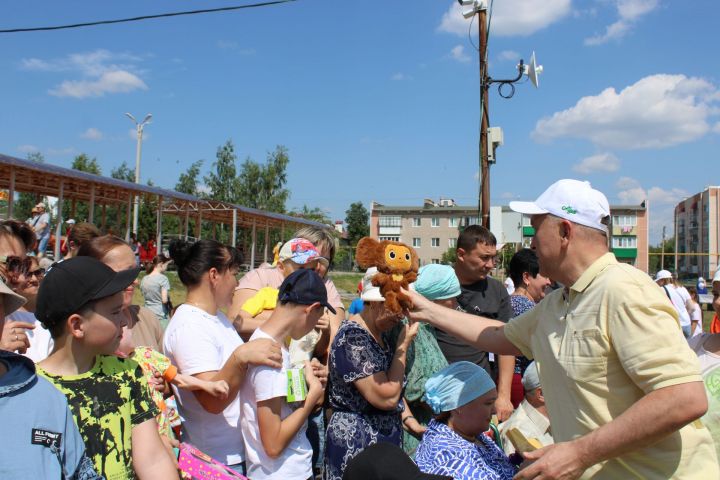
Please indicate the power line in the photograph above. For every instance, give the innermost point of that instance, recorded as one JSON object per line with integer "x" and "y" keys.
{"x": 144, "y": 17}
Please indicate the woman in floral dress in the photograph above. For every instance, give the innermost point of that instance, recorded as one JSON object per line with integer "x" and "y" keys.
{"x": 365, "y": 382}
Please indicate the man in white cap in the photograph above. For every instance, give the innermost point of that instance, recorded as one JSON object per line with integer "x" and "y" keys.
{"x": 664, "y": 280}
{"x": 622, "y": 388}
{"x": 41, "y": 224}
{"x": 531, "y": 416}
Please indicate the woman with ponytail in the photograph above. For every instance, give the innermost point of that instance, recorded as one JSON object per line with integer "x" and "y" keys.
{"x": 155, "y": 287}
{"x": 201, "y": 341}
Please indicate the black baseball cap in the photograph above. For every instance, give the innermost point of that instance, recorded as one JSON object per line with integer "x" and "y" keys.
{"x": 71, "y": 284}
{"x": 304, "y": 287}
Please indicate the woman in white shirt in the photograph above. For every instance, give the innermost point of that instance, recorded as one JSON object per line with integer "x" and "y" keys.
{"x": 201, "y": 341}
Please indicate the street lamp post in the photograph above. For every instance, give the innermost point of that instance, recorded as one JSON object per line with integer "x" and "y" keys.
{"x": 139, "y": 127}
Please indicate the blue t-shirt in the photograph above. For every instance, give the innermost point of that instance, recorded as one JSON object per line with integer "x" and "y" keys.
{"x": 39, "y": 437}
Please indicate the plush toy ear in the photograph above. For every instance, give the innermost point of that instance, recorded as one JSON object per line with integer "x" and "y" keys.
{"x": 414, "y": 260}
{"x": 366, "y": 252}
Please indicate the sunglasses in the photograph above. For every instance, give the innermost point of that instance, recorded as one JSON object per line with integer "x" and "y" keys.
{"x": 38, "y": 274}
{"x": 16, "y": 264}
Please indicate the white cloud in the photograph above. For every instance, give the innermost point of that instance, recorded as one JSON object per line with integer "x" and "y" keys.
{"x": 716, "y": 127}
{"x": 400, "y": 76}
{"x": 660, "y": 203}
{"x": 92, "y": 134}
{"x": 27, "y": 149}
{"x": 509, "y": 55}
{"x": 458, "y": 53}
{"x": 508, "y": 196}
{"x": 102, "y": 72}
{"x": 656, "y": 112}
{"x": 517, "y": 18}
{"x": 118, "y": 81}
{"x": 629, "y": 12}
{"x": 231, "y": 45}
{"x": 602, "y": 162}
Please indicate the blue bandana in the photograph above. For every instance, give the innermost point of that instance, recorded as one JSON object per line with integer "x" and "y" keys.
{"x": 455, "y": 385}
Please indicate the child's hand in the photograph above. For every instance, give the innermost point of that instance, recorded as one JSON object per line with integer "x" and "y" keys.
{"x": 320, "y": 371}
{"x": 219, "y": 389}
{"x": 315, "y": 388}
{"x": 157, "y": 382}
{"x": 262, "y": 351}
{"x": 324, "y": 323}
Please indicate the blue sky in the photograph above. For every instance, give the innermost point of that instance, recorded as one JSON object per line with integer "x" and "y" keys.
{"x": 377, "y": 100}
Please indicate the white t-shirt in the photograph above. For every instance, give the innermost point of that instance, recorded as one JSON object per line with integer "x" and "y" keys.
{"x": 41, "y": 343}
{"x": 197, "y": 342}
{"x": 264, "y": 383}
{"x": 679, "y": 302}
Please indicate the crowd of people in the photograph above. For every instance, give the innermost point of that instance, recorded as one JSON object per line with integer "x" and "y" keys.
{"x": 588, "y": 368}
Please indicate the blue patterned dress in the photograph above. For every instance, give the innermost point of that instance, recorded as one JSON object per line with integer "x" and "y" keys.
{"x": 444, "y": 452}
{"x": 355, "y": 424}
{"x": 520, "y": 304}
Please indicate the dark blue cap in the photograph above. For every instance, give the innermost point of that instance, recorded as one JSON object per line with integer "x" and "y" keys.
{"x": 304, "y": 287}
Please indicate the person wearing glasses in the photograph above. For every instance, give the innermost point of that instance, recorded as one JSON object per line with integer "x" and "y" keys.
{"x": 485, "y": 296}
{"x": 16, "y": 239}
{"x": 37, "y": 342}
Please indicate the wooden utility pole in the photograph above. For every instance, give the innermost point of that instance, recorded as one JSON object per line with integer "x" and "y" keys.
{"x": 484, "y": 197}
{"x": 662, "y": 250}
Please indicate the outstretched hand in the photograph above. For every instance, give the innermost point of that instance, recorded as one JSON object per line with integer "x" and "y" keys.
{"x": 561, "y": 461}
{"x": 421, "y": 307}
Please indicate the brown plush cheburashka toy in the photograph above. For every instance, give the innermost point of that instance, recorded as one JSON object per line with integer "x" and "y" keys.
{"x": 397, "y": 266}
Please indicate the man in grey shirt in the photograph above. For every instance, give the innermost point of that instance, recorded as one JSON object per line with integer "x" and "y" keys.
{"x": 485, "y": 296}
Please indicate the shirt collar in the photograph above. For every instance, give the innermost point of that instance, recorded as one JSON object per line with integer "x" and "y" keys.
{"x": 540, "y": 420}
{"x": 593, "y": 271}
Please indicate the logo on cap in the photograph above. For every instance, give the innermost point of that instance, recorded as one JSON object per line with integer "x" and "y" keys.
{"x": 568, "y": 209}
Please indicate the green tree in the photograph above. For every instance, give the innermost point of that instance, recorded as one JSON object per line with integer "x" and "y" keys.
{"x": 263, "y": 186}
{"x": 86, "y": 164}
{"x": 449, "y": 257}
{"x": 654, "y": 263}
{"x": 26, "y": 200}
{"x": 315, "y": 214}
{"x": 357, "y": 219}
{"x": 222, "y": 180}
{"x": 82, "y": 163}
{"x": 188, "y": 181}
{"x": 123, "y": 172}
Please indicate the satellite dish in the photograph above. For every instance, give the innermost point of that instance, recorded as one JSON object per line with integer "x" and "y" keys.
{"x": 533, "y": 70}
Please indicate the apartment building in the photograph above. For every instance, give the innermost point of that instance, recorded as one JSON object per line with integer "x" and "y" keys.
{"x": 697, "y": 227}
{"x": 628, "y": 234}
{"x": 434, "y": 227}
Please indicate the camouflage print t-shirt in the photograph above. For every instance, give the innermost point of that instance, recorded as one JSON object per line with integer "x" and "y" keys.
{"x": 107, "y": 402}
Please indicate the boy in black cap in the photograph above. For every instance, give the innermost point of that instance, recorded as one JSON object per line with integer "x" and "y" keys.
{"x": 81, "y": 302}
{"x": 275, "y": 407}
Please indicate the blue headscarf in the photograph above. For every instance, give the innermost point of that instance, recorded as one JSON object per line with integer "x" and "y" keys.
{"x": 437, "y": 282}
{"x": 455, "y": 385}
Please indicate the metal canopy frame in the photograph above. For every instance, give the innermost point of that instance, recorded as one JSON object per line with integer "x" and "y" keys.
{"x": 18, "y": 175}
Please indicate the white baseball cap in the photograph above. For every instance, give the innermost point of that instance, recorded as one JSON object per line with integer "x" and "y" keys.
{"x": 716, "y": 277}
{"x": 71, "y": 221}
{"x": 572, "y": 200}
{"x": 662, "y": 275}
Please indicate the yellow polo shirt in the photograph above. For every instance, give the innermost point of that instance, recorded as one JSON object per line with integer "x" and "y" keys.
{"x": 599, "y": 348}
